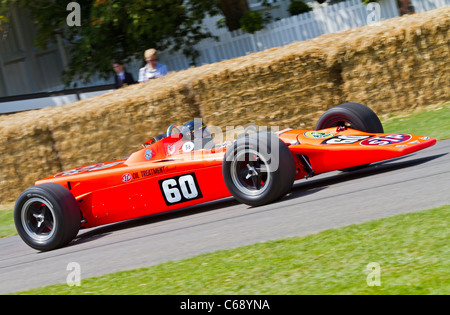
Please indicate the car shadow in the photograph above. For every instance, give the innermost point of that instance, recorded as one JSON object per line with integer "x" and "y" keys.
{"x": 101, "y": 231}
{"x": 305, "y": 187}
{"x": 301, "y": 188}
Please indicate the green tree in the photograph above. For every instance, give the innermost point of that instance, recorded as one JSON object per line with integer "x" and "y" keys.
{"x": 116, "y": 29}
{"x": 123, "y": 29}
{"x": 234, "y": 11}
{"x": 298, "y": 7}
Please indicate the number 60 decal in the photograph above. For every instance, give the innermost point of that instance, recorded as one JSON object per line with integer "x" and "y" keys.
{"x": 180, "y": 189}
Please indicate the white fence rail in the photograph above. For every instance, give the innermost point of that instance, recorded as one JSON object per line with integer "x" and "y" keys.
{"x": 427, "y": 5}
{"x": 329, "y": 19}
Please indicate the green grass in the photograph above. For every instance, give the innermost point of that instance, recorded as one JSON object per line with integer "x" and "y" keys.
{"x": 433, "y": 123}
{"x": 7, "y": 227}
{"x": 412, "y": 250}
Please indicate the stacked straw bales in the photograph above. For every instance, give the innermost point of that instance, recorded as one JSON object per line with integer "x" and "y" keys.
{"x": 400, "y": 64}
{"x": 397, "y": 65}
{"x": 282, "y": 86}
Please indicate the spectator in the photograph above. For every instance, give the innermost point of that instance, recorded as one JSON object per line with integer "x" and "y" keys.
{"x": 153, "y": 69}
{"x": 406, "y": 7}
{"x": 122, "y": 78}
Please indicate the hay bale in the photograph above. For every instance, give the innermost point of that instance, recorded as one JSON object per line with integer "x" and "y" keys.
{"x": 283, "y": 86}
{"x": 399, "y": 64}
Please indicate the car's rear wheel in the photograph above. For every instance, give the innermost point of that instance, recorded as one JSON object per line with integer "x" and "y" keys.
{"x": 350, "y": 115}
{"x": 258, "y": 169}
{"x": 47, "y": 216}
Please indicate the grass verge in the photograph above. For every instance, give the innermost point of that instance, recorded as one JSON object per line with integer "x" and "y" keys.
{"x": 425, "y": 122}
{"x": 7, "y": 227}
{"x": 412, "y": 251}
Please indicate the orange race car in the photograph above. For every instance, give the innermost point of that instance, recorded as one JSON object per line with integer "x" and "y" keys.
{"x": 186, "y": 166}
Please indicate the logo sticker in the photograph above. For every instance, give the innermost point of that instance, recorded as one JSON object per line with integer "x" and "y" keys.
{"x": 317, "y": 135}
{"x": 126, "y": 177}
{"x": 170, "y": 149}
{"x": 386, "y": 139}
{"x": 148, "y": 154}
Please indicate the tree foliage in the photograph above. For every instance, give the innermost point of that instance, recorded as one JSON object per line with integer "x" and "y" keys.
{"x": 234, "y": 11}
{"x": 117, "y": 29}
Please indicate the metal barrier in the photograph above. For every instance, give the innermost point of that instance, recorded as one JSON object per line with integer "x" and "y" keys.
{"x": 18, "y": 103}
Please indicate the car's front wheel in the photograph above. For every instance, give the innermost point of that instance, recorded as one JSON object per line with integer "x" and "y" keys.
{"x": 352, "y": 115}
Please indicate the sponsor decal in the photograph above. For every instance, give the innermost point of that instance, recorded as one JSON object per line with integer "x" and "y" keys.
{"x": 145, "y": 173}
{"x": 148, "y": 154}
{"x": 170, "y": 149}
{"x": 317, "y": 135}
{"x": 386, "y": 139}
{"x": 126, "y": 177}
{"x": 180, "y": 189}
{"x": 154, "y": 171}
{"x": 345, "y": 139}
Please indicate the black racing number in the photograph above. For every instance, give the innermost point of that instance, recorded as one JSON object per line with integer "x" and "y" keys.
{"x": 180, "y": 189}
{"x": 345, "y": 139}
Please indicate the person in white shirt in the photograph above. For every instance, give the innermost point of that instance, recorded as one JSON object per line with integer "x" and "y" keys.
{"x": 153, "y": 69}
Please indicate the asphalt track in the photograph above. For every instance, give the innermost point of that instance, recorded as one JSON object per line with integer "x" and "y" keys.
{"x": 412, "y": 183}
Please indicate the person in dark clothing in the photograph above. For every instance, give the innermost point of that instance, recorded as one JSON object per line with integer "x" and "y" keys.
{"x": 122, "y": 78}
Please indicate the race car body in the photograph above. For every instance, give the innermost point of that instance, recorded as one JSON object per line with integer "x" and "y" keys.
{"x": 171, "y": 173}
{"x": 142, "y": 184}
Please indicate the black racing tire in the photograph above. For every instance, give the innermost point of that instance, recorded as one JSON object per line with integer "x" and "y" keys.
{"x": 258, "y": 169}
{"x": 47, "y": 216}
{"x": 352, "y": 115}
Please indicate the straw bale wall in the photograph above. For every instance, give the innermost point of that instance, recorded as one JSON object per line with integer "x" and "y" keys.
{"x": 397, "y": 65}
{"x": 392, "y": 66}
{"x": 286, "y": 87}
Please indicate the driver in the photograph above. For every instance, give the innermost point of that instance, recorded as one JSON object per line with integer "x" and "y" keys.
{"x": 197, "y": 132}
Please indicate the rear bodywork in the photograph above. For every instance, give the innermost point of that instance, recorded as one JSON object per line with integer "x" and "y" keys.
{"x": 166, "y": 175}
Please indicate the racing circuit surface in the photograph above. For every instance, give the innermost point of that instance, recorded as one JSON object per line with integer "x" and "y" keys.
{"x": 412, "y": 183}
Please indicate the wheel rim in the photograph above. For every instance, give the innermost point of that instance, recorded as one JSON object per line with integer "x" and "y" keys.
{"x": 38, "y": 219}
{"x": 250, "y": 172}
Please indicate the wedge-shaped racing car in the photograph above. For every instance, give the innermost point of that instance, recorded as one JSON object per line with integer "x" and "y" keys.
{"x": 185, "y": 167}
